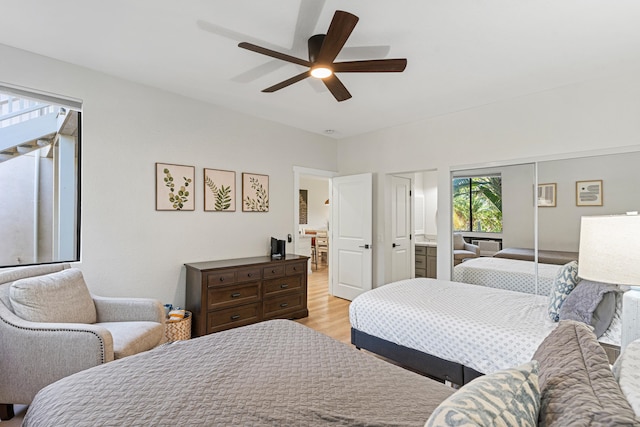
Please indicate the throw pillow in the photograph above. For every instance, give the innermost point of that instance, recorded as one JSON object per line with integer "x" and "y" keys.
{"x": 564, "y": 282}
{"x": 60, "y": 297}
{"x": 504, "y": 398}
{"x": 577, "y": 387}
{"x": 593, "y": 303}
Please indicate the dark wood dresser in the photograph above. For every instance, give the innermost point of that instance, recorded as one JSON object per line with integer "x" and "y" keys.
{"x": 229, "y": 293}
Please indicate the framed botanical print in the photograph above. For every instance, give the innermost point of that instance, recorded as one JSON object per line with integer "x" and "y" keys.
{"x": 255, "y": 192}
{"x": 219, "y": 190}
{"x": 174, "y": 187}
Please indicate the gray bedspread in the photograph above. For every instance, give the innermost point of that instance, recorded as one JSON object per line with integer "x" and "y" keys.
{"x": 276, "y": 373}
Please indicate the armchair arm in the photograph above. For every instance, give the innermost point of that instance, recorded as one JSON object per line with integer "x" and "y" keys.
{"x": 34, "y": 355}
{"x": 128, "y": 309}
{"x": 472, "y": 248}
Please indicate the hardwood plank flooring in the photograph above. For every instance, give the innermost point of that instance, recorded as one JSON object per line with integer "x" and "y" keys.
{"x": 327, "y": 314}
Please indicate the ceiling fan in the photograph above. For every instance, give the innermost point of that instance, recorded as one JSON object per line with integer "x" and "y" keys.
{"x": 323, "y": 50}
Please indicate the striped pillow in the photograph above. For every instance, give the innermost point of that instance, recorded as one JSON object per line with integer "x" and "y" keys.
{"x": 505, "y": 398}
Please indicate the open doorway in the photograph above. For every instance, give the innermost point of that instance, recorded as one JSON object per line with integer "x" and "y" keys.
{"x": 422, "y": 206}
{"x": 312, "y": 212}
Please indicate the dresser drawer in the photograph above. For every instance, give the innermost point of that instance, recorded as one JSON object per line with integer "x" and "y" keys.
{"x": 273, "y": 271}
{"x": 221, "y": 278}
{"x": 249, "y": 274}
{"x": 297, "y": 268}
{"x": 227, "y": 296}
{"x": 280, "y": 306}
{"x": 283, "y": 285}
{"x": 421, "y": 250}
{"x": 421, "y": 261}
{"x": 220, "y": 320}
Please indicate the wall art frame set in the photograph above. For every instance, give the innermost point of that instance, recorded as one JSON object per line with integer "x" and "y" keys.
{"x": 175, "y": 189}
{"x": 588, "y": 193}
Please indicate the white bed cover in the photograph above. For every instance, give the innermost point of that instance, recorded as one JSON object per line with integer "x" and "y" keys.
{"x": 503, "y": 273}
{"x": 483, "y": 328}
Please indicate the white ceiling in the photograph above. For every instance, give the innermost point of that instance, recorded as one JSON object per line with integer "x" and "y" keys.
{"x": 461, "y": 53}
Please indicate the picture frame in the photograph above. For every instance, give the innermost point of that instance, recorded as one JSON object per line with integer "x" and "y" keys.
{"x": 303, "y": 208}
{"x": 589, "y": 193}
{"x": 255, "y": 192}
{"x": 547, "y": 195}
{"x": 175, "y": 187}
{"x": 219, "y": 190}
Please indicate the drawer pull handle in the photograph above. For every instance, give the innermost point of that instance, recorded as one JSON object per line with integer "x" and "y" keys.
{"x": 249, "y": 274}
{"x": 295, "y": 268}
{"x": 222, "y": 279}
{"x": 273, "y": 272}
{"x": 235, "y": 295}
{"x": 235, "y": 317}
{"x": 284, "y": 304}
{"x": 284, "y": 286}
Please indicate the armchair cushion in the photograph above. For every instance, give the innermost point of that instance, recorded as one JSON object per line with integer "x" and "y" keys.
{"x": 130, "y": 338}
{"x": 61, "y": 297}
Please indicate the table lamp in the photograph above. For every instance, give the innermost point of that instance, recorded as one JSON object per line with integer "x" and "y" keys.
{"x": 610, "y": 253}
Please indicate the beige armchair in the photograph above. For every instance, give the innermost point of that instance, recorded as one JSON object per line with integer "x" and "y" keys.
{"x": 52, "y": 327}
{"x": 463, "y": 250}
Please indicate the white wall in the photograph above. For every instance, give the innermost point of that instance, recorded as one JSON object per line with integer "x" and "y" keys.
{"x": 129, "y": 248}
{"x": 559, "y": 227}
{"x": 592, "y": 115}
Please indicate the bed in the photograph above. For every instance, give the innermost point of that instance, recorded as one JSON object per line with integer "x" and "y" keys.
{"x": 544, "y": 256}
{"x": 454, "y": 331}
{"x": 510, "y": 274}
{"x": 271, "y": 373}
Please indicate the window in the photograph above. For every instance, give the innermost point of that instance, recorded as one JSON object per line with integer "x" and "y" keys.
{"x": 477, "y": 204}
{"x": 39, "y": 178}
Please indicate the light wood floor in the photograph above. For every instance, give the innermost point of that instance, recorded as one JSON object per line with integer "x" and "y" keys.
{"x": 327, "y": 314}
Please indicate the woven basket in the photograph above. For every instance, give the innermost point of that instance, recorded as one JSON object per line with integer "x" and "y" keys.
{"x": 180, "y": 330}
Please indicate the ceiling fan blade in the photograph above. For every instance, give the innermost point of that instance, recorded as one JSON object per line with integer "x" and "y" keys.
{"x": 274, "y": 54}
{"x": 371, "y": 66}
{"x": 336, "y": 88}
{"x": 288, "y": 82}
{"x": 339, "y": 31}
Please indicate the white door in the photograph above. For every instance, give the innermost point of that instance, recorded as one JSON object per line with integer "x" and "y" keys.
{"x": 400, "y": 228}
{"x": 351, "y": 235}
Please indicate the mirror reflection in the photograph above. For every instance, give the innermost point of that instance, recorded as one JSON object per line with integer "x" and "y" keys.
{"x": 565, "y": 191}
{"x": 499, "y": 205}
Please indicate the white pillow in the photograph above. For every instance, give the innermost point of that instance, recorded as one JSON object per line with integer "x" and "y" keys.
{"x": 61, "y": 297}
{"x": 627, "y": 373}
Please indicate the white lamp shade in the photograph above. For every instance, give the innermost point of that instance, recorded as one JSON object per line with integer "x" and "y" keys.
{"x": 610, "y": 249}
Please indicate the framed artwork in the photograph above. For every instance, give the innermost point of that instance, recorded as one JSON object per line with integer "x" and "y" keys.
{"x": 219, "y": 190}
{"x": 547, "y": 195}
{"x": 303, "y": 207}
{"x": 174, "y": 187}
{"x": 255, "y": 192}
{"x": 589, "y": 193}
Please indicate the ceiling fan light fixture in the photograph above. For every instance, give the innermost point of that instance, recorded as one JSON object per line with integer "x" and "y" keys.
{"x": 321, "y": 72}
